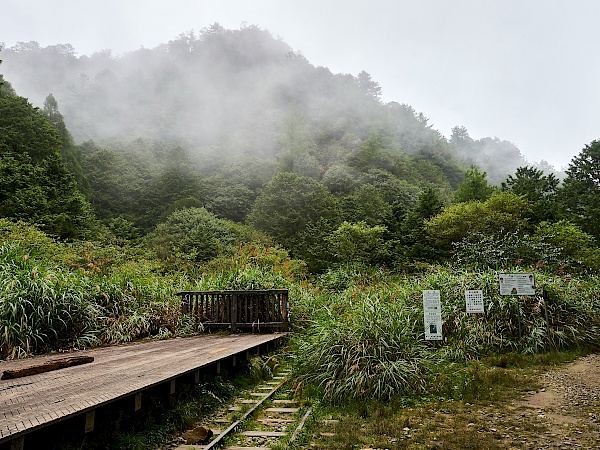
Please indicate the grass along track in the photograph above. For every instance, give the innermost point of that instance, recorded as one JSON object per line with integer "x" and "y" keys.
{"x": 266, "y": 417}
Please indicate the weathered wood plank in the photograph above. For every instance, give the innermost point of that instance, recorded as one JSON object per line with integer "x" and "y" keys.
{"x": 46, "y": 367}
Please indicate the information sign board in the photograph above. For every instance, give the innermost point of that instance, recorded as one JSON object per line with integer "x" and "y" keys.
{"x": 432, "y": 311}
{"x": 516, "y": 284}
{"x": 474, "y": 301}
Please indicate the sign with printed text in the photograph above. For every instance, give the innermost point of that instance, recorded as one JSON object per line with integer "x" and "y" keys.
{"x": 474, "y": 301}
{"x": 432, "y": 312}
{"x": 516, "y": 284}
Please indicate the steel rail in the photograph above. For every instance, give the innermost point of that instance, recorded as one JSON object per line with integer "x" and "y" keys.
{"x": 217, "y": 441}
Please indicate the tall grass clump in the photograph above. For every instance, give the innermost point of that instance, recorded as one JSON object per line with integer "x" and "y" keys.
{"x": 137, "y": 303}
{"x": 361, "y": 343}
{"x": 367, "y": 339}
{"x": 372, "y": 352}
{"x": 41, "y": 308}
{"x": 527, "y": 324}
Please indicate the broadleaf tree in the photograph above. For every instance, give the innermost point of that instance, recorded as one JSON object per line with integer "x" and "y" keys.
{"x": 288, "y": 203}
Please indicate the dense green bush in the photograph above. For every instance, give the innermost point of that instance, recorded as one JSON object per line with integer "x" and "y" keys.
{"x": 41, "y": 308}
{"x": 502, "y": 213}
{"x": 559, "y": 247}
{"x": 197, "y": 235}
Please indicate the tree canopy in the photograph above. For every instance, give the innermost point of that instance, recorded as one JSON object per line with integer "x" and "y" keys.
{"x": 35, "y": 184}
{"x": 581, "y": 191}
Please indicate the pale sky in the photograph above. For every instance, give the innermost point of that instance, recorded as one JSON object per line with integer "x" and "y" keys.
{"x": 525, "y": 71}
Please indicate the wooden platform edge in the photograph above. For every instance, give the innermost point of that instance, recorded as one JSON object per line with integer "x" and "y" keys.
{"x": 18, "y": 436}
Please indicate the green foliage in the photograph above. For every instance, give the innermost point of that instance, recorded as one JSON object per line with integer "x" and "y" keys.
{"x": 475, "y": 187}
{"x": 141, "y": 181}
{"x": 578, "y": 250}
{"x": 408, "y": 235}
{"x": 539, "y": 189}
{"x": 580, "y": 195}
{"x": 316, "y": 251}
{"x": 365, "y": 205}
{"x": 358, "y": 243}
{"x": 6, "y": 88}
{"x": 38, "y": 243}
{"x": 231, "y": 201}
{"x": 288, "y": 203}
{"x": 501, "y": 214}
{"x": 35, "y": 185}
{"x": 512, "y": 249}
{"x": 340, "y": 179}
{"x": 25, "y": 131}
{"x": 391, "y": 188}
{"x": 253, "y": 266}
{"x": 54, "y": 116}
{"x": 373, "y": 153}
{"x": 194, "y": 234}
{"x": 421, "y": 171}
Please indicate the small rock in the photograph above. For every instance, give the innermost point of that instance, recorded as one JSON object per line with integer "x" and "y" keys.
{"x": 198, "y": 434}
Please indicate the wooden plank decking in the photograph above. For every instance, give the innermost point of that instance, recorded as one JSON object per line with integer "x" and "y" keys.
{"x": 35, "y": 401}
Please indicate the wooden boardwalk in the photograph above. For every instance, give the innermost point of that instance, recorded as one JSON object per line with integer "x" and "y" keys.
{"x": 30, "y": 403}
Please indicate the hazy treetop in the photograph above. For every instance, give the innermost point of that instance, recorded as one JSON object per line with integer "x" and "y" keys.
{"x": 523, "y": 71}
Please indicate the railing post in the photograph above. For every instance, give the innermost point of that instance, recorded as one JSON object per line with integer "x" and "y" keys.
{"x": 233, "y": 311}
{"x": 285, "y": 310}
{"x": 185, "y": 308}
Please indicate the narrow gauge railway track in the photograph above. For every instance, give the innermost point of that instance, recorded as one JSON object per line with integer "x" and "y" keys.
{"x": 264, "y": 420}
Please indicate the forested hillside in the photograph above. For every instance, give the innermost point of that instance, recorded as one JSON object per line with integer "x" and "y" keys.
{"x": 237, "y": 124}
{"x": 227, "y": 93}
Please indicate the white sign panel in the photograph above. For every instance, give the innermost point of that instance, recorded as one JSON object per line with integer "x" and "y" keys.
{"x": 432, "y": 311}
{"x": 516, "y": 284}
{"x": 474, "y": 300}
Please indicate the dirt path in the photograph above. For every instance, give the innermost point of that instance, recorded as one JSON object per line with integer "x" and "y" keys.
{"x": 567, "y": 407}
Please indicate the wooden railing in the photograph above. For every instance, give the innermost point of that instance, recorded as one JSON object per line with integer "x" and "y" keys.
{"x": 257, "y": 311}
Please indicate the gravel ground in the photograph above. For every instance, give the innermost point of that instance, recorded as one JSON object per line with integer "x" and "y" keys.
{"x": 568, "y": 406}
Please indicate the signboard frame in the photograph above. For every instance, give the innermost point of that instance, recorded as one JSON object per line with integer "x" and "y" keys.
{"x": 432, "y": 315}
{"x": 516, "y": 283}
{"x": 474, "y": 301}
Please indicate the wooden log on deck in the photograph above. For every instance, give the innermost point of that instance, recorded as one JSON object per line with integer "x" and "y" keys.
{"x": 46, "y": 367}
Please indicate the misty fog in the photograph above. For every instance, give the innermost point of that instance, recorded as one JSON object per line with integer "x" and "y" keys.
{"x": 224, "y": 94}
